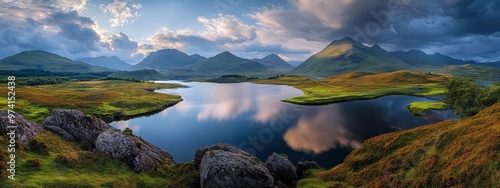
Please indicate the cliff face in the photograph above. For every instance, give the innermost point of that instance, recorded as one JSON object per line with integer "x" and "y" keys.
{"x": 463, "y": 153}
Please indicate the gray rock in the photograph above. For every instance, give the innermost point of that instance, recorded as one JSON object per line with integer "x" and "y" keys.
{"x": 75, "y": 124}
{"x": 221, "y": 168}
{"x": 25, "y": 130}
{"x": 282, "y": 170}
{"x": 61, "y": 132}
{"x": 116, "y": 144}
{"x": 139, "y": 154}
{"x": 304, "y": 165}
{"x": 198, "y": 155}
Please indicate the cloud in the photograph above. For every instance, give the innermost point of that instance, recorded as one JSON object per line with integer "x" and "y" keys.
{"x": 122, "y": 12}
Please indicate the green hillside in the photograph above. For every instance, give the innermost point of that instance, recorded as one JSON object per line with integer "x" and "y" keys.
{"x": 108, "y": 62}
{"x": 347, "y": 55}
{"x": 139, "y": 75}
{"x": 274, "y": 61}
{"x": 43, "y": 60}
{"x": 417, "y": 59}
{"x": 227, "y": 63}
{"x": 472, "y": 71}
{"x": 453, "y": 153}
{"x": 166, "y": 59}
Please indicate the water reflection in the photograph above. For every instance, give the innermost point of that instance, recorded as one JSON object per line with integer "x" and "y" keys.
{"x": 237, "y": 113}
{"x": 320, "y": 132}
{"x": 228, "y": 101}
{"x": 126, "y": 124}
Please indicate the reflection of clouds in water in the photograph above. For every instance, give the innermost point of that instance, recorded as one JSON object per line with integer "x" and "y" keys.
{"x": 320, "y": 132}
{"x": 228, "y": 101}
{"x": 267, "y": 108}
{"x": 124, "y": 124}
{"x": 224, "y": 101}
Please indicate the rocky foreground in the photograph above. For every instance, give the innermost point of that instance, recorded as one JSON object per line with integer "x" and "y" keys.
{"x": 220, "y": 165}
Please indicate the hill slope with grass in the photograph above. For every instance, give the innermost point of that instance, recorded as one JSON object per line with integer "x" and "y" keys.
{"x": 42, "y": 60}
{"x": 108, "y": 62}
{"x": 417, "y": 59}
{"x": 347, "y": 55}
{"x": 454, "y": 153}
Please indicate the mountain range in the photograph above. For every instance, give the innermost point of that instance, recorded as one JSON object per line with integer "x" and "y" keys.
{"x": 340, "y": 56}
{"x": 348, "y": 55}
{"x": 108, "y": 62}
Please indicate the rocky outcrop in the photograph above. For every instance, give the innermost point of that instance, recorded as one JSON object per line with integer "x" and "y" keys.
{"x": 304, "y": 165}
{"x": 283, "y": 171}
{"x": 139, "y": 154}
{"x": 24, "y": 130}
{"x": 74, "y": 125}
{"x": 98, "y": 136}
{"x": 223, "y": 165}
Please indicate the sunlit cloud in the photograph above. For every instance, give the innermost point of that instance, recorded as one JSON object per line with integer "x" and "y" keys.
{"x": 122, "y": 12}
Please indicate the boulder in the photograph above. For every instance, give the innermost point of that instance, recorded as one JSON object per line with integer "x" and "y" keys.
{"x": 283, "y": 171}
{"x": 139, "y": 154}
{"x": 75, "y": 125}
{"x": 304, "y": 165}
{"x": 221, "y": 168}
{"x": 198, "y": 155}
{"x": 24, "y": 130}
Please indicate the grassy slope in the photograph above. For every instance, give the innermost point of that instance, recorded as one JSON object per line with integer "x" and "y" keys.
{"x": 459, "y": 153}
{"x": 64, "y": 164}
{"x": 361, "y": 85}
{"x": 100, "y": 98}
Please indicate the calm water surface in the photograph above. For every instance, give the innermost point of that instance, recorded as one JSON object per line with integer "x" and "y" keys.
{"x": 252, "y": 117}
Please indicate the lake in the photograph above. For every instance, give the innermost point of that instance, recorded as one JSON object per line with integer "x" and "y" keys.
{"x": 252, "y": 117}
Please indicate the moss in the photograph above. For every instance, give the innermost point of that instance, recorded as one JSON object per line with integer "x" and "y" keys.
{"x": 33, "y": 164}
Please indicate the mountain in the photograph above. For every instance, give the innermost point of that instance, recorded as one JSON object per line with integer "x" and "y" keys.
{"x": 42, "y": 60}
{"x": 166, "y": 59}
{"x": 274, "y": 61}
{"x": 227, "y": 63}
{"x": 108, "y": 62}
{"x": 347, "y": 55}
{"x": 198, "y": 57}
{"x": 418, "y": 59}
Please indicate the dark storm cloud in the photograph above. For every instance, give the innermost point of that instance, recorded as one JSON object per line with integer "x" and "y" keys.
{"x": 452, "y": 27}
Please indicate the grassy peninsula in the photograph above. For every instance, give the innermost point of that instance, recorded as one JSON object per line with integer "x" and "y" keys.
{"x": 361, "y": 85}
{"x": 103, "y": 98}
{"x": 418, "y": 107}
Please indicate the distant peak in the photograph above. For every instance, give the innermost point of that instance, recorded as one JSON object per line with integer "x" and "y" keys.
{"x": 347, "y": 40}
{"x": 272, "y": 56}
